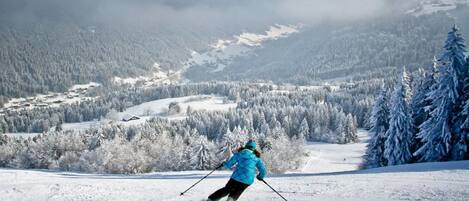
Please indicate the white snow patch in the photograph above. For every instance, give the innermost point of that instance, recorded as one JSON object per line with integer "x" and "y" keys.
{"x": 159, "y": 108}
{"x": 155, "y": 78}
{"x": 275, "y": 32}
{"x": 196, "y": 102}
{"x": 223, "y": 52}
{"x": 23, "y": 135}
{"x": 433, "y": 6}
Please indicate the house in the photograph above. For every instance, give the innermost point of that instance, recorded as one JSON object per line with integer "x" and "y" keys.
{"x": 129, "y": 117}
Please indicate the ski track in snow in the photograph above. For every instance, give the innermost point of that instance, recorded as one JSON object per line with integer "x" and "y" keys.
{"x": 326, "y": 176}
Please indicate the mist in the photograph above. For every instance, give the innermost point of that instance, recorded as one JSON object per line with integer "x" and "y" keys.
{"x": 216, "y": 12}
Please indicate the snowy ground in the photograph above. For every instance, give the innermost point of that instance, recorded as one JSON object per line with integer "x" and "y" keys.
{"x": 223, "y": 51}
{"x": 429, "y": 181}
{"x": 158, "y": 108}
{"x": 324, "y": 157}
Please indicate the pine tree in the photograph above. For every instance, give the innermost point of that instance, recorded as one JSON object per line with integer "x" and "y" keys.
{"x": 350, "y": 129}
{"x": 435, "y": 132}
{"x": 303, "y": 131}
{"x": 379, "y": 121}
{"x": 421, "y": 103}
{"x": 399, "y": 135}
{"x": 227, "y": 144}
{"x": 203, "y": 158}
{"x": 461, "y": 140}
{"x": 422, "y": 85}
{"x": 454, "y": 55}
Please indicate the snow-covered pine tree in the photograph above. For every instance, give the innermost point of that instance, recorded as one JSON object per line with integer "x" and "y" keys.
{"x": 435, "y": 132}
{"x": 399, "y": 135}
{"x": 465, "y": 113}
{"x": 379, "y": 121}
{"x": 421, "y": 86}
{"x": 421, "y": 103}
{"x": 203, "y": 157}
{"x": 303, "y": 131}
{"x": 350, "y": 129}
{"x": 227, "y": 144}
{"x": 340, "y": 133}
{"x": 461, "y": 140}
{"x": 454, "y": 54}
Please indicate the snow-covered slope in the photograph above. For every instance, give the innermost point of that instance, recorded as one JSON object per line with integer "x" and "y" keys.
{"x": 433, "y": 6}
{"x": 425, "y": 181}
{"x": 430, "y": 181}
{"x": 224, "y": 51}
{"x": 324, "y": 157}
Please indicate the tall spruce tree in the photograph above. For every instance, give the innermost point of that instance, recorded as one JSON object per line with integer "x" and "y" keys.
{"x": 399, "y": 135}
{"x": 435, "y": 132}
{"x": 303, "y": 131}
{"x": 461, "y": 140}
{"x": 350, "y": 129}
{"x": 454, "y": 54}
{"x": 421, "y": 103}
{"x": 379, "y": 122}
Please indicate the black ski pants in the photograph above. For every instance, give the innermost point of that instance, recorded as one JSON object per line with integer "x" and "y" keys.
{"x": 233, "y": 189}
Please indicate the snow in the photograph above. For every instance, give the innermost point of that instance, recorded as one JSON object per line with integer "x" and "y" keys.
{"x": 197, "y": 102}
{"x": 81, "y": 125}
{"x": 325, "y": 157}
{"x": 433, "y": 6}
{"x": 223, "y": 52}
{"x": 156, "y": 77}
{"x": 75, "y": 94}
{"x": 319, "y": 181}
{"x": 275, "y": 32}
{"x": 23, "y": 135}
{"x": 85, "y": 86}
{"x": 158, "y": 108}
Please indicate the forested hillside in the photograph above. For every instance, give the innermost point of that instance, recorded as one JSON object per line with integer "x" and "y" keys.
{"x": 368, "y": 48}
{"x": 44, "y": 49}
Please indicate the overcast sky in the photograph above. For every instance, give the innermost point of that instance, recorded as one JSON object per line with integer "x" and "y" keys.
{"x": 306, "y": 11}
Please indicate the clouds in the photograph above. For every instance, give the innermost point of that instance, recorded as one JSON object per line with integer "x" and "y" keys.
{"x": 209, "y": 11}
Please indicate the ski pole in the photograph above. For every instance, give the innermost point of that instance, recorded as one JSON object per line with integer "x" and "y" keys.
{"x": 202, "y": 179}
{"x": 273, "y": 189}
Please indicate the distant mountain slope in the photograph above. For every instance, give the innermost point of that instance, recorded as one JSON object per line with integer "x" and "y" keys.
{"x": 51, "y": 45}
{"x": 336, "y": 51}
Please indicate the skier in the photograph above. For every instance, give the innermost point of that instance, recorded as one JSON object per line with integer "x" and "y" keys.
{"x": 247, "y": 160}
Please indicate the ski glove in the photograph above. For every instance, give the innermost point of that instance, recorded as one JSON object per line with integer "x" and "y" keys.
{"x": 259, "y": 178}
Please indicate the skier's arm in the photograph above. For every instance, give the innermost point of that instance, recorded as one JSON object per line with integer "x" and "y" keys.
{"x": 262, "y": 171}
{"x": 230, "y": 163}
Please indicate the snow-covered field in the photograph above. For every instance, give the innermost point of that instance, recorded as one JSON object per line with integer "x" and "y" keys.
{"x": 158, "y": 108}
{"x": 24, "y": 135}
{"x": 426, "y": 181}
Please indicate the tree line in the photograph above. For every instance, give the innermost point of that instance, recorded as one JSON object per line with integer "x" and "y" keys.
{"x": 280, "y": 121}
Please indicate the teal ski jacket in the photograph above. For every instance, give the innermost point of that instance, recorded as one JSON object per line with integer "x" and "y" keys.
{"x": 246, "y": 165}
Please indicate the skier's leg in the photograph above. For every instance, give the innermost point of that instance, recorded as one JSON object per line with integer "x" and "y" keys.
{"x": 222, "y": 192}
{"x": 237, "y": 191}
